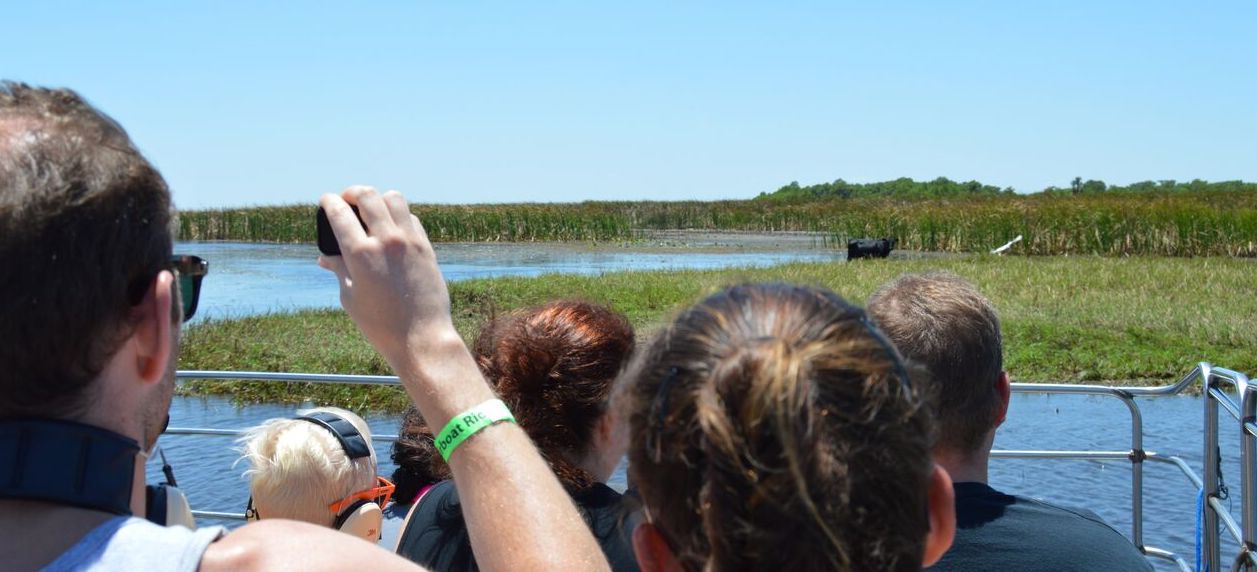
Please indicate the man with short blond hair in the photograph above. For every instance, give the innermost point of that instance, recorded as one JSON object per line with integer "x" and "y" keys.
{"x": 942, "y": 323}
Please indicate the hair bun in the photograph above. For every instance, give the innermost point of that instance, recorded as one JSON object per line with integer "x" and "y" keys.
{"x": 528, "y": 363}
{"x": 554, "y": 366}
{"x": 768, "y": 430}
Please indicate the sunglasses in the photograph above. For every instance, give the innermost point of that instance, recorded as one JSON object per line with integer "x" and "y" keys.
{"x": 251, "y": 513}
{"x": 380, "y": 494}
{"x": 189, "y": 270}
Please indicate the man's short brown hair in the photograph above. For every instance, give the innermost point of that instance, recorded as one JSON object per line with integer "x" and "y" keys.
{"x": 941, "y": 322}
{"x": 84, "y": 228}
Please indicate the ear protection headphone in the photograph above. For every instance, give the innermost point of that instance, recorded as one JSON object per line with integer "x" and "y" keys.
{"x": 166, "y": 504}
{"x": 359, "y": 514}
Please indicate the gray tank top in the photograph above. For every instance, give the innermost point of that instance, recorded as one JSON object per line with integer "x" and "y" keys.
{"x": 130, "y": 543}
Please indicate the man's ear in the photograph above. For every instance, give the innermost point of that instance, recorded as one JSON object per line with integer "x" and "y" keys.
{"x": 1003, "y": 390}
{"x": 653, "y": 552}
{"x": 152, "y": 334}
{"x": 942, "y": 517}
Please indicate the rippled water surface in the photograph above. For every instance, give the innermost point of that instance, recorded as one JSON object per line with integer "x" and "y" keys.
{"x": 204, "y": 465}
{"x": 247, "y": 278}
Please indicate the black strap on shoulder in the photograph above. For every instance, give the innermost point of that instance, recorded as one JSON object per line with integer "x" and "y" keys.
{"x": 67, "y": 463}
{"x": 155, "y": 502}
{"x": 354, "y": 444}
{"x": 435, "y": 534}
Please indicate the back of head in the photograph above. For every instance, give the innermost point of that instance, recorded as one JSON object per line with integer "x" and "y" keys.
{"x": 554, "y": 366}
{"x": 298, "y": 468}
{"x": 416, "y": 457}
{"x": 941, "y": 322}
{"x": 773, "y": 428}
{"x": 85, "y": 222}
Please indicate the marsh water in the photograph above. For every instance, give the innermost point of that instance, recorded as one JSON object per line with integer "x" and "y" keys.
{"x": 249, "y": 279}
{"x": 207, "y": 470}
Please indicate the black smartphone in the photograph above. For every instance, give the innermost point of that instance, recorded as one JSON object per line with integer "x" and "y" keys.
{"x": 327, "y": 239}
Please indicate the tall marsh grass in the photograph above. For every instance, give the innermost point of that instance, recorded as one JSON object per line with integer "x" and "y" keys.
{"x": 1112, "y": 224}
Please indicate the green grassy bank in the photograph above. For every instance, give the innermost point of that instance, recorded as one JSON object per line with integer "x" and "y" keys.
{"x": 1073, "y": 319}
{"x": 1156, "y": 223}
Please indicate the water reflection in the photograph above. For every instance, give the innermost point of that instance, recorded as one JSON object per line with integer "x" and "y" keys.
{"x": 247, "y": 278}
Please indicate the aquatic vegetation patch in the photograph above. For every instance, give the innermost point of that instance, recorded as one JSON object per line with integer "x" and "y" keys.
{"x": 1081, "y": 319}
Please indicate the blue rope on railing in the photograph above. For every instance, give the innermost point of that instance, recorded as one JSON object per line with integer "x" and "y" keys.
{"x": 1200, "y": 525}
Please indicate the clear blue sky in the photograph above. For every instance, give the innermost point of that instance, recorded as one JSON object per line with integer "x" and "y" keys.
{"x": 243, "y": 103}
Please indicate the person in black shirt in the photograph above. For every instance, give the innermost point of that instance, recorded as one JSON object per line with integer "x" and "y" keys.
{"x": 419, "y": 469}
{"x": 436, "y": 535}
{"x": 942, "y": 323}
{"x": 554, "y": 366}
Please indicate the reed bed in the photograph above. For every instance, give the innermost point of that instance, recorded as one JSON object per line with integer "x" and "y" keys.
{"x": 1207, "y": 223}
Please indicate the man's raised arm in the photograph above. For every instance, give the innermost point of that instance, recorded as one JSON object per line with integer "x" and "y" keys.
{"x": 517, "y": 514}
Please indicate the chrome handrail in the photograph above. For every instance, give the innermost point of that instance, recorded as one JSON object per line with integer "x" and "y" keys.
{"x": 239, "y": 432}
{"x": 184, "y": 375}
{"x": 1136, "y": 453}
{"x": 1212, "y": 380}
{"x": 1215, "y": 380}
{"x": 187, "y": 375}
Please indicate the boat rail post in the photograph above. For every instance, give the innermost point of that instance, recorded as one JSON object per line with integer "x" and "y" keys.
{"x": 1248, "y": 472}
{"x": 1210, "y": 552}
{"x": 1137, "y": 456}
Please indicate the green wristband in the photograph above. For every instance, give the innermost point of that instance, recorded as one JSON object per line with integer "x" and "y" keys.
{"x": 469, "y": 423}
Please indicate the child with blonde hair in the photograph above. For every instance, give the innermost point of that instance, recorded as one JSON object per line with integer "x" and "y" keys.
{"x": 319, "y": 468}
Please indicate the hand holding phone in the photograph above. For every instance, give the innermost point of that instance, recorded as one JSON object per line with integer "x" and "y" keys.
{"x": 393, "y": 290}
{"x": 390, "y": 283}
{"x": 326, "y": 237}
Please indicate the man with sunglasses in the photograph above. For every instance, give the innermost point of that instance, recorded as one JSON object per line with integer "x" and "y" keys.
{"x": 89, "y": 333}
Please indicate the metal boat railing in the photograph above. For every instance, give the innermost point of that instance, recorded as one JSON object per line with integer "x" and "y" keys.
{"x": 1211, "y": 380}
{"x": 1214, "y": 383}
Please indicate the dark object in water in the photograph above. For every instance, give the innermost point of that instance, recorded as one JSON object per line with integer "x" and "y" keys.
{"x": 869, "y": 248}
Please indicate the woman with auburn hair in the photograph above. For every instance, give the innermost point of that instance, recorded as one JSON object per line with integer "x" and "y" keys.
{"x": 773, "y": 428}
{"x": 554, "y": 366}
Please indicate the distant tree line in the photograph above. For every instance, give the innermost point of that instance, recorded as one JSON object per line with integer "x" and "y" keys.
{"x": 901, "y": 188}
{"x": 942, "y": 187}
{"x": 1092, "y": 186}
